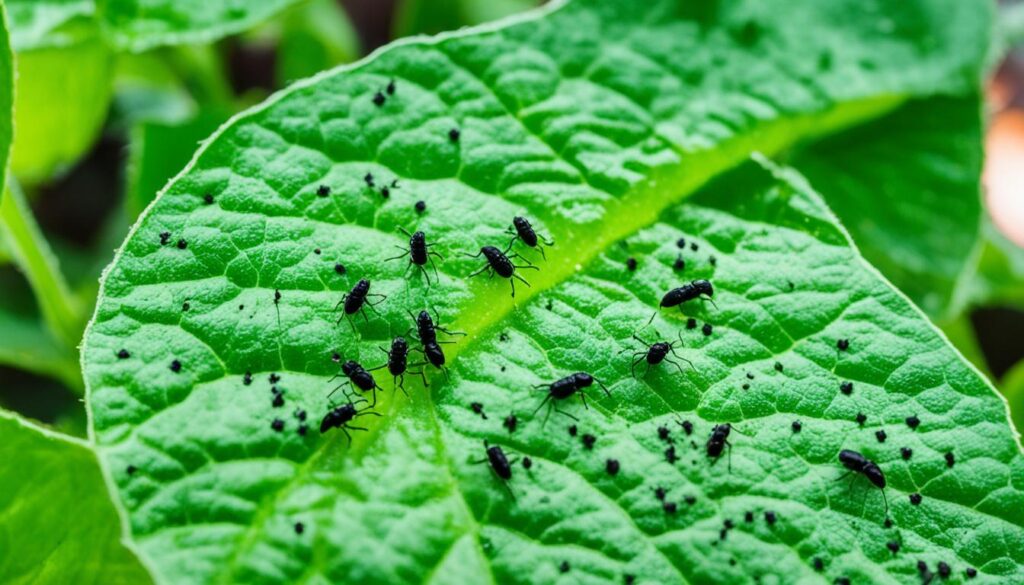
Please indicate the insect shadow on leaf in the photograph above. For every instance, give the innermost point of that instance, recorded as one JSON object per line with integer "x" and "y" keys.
{"x": 564, "y": 388}
{"x": 356, "y": 300}
{"x": 523, "y": 231}
{"x": 500, "y": 263}
{"x": 655, "y": 353}
{"x": 419, "y": 253}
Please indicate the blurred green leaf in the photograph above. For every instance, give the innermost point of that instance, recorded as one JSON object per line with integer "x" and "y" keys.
{"x": 434, "y": 16}
{"x": 998, "y": 276}
{"x": 48, "y": 23}
{"x": 157, "y": 152}
{"x": 315, "y": 36}
{"x": 908, "y": 189}
{"x": 138, "y": 25}
{"x": 7, "y": 76}
{"x": 1012, "y": 386}
{"x": 57, "y": 523}
{"x": 147, "y": 89}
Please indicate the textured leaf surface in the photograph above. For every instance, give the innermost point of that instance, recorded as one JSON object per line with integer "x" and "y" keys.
{"x": 908, "y": 189}
{"x": 57, "y": 524}
{"x": 588, "y": 119}
{"x": 143, "y": 24}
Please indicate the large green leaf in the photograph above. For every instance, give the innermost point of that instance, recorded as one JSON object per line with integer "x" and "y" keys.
{"x": 997, "y": 278}
{"x": 57, "y": 524}
{"x": 138, "y": 25}
{"x": 907, "y": 187}
{"x": 595, "y": 119}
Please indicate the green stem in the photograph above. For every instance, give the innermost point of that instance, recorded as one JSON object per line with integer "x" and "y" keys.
{"x": 61, "y": 311}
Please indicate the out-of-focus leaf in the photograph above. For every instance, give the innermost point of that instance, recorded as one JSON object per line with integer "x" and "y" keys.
{"x": 160, "y": 151}
{"x": 1012, "y": 386}
{"x": 908, "y": 189}
{"x": 48, "y": 23}
{"x": 961, "y": 334}
{"x": 998, "y": 276}
{"x": 146, "y": 89}
{"x": 434, "y": 16}
{"x": 138, "y": 25}
{"x": 314, "y": 37}
{"x": 57, "y": 523}
{"x": 6, "y": 106}
{"x": 25, "y": 341}
{"x": 61, "y": 101}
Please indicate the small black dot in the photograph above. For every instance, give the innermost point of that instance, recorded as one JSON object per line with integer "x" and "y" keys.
{"x": 278, "y": 401}
{"x": 300, "y": 414}
{"x": 915, "y": 498}
{"x": 164, "y": 238}
{"x": 421, "y": 206}
{"x": 316, "y": 251}
{"x": 861, "y": 418}
{"x": 277, "y": 425}
{"x": 391, "y": 87}
{"x": 797, "y": 426}
{"x": 842, "y": 581}
{"x": 913, "y": 421}
{"x": 706, "y": 329}
{"x": 670, "y": 455}
{"x": 247, "y": 378}
{"x": 888, "y": 523}
{"x": 368, "y": 179}
{"x": 770, "y": 517}
{"x": 843, "y": 344}
{"x": 687, "y": 427}
{"x": 182, "y": 244}
{"x": 612, "y": 466}
{"x": 893, "y": 546}
{"x": 588, "y": 441}
{"x": 631, "y": 264}
{"x": 681, "y": 243}
{"x": 669, "y": 507}
{"x": 175, "y": 366}
{"x": 335, "y": 357}
{"x": 819, "y": 565}
{"x": 778, "y": 366}
{"x": 123, "y": 354}
{"x": 527, "y": 463}
{"x": 679, "y": 264}
{"x": 564, "y": 567}
{"x": 690, "y": 500}
{"x": 971, "y": 572}
{"x": 572, "y": 431}
{"x": 340, "y": 268}
{"x": 131, "y": 469}
{"x": 208, "y": 198}
{"x": 880, "y": 435}
{"x": 944, "y": 570}
{"x": 453, "y": 135}
{"x": 628, "y": 579}
{"x": 950, "y": 459}
{"x": 748, "y": 517}
{"x": 323, "y": 191}
{"x": 691, "y": 323}
{"x": 846, "y": 388}
{"x": 185, "y": 306}
{"x": 750, "y": 376}
{"x": 659, "y": 492}
{"x": 303, "y": 429}
{"x": 478, "y": 409}
{"x": 694, "y": 246}
{"x": 274, "y": 378}
{"x": 746, "y": 386}
{"x": 299, "y": 528}
{"x": 906, "y": 452}
{"x": 379, "y": 99}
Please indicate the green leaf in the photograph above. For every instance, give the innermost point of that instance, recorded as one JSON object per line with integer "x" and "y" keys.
{"x": 159, "y": 151}
{"x": 48, "y": 23}
{"x": 138, "y": 25}
{"x": 1012, "y": 386}
{"x": 312, "y": 37}
{"x": 433, "y": 16}
{"x": 6, "y": 101}
{"x": 596, "y": 119}
{"x": 57, "y": 524}
{"x": 998, "y": 276}
{"x": 908, "y": 189}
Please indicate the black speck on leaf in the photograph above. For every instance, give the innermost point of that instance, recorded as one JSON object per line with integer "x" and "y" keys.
{"x": 164, "y": 238}
{"x": 691, "y": 323}
{"x": 843, "y": 344}
{"x": 572, "y": 431}
{"x": 915, "y": 498}
{"x": 707, "y": 329}
{"x": 421, "y": 206}
{"x": 340, "y": 268}
{"x": 669, "y": 507}
{"x": 880, "y": 435}
{"x": 679, "y": 264}
{"x": 797, "y": 426}
{"x": 612, "y": 466}
{"x": 123, "y": 354}
{"x": 182, "y": 244}
{"x": 913, "y": 422}
{"x": 379, "y": 99}
{"x": 770, "y": 517}
{"x": 950, "y": 459}
{"x": 299, "y": 528}
{"x": 277, "y": 425}
{"x": 631, "y": 264}
{"x": 208, "y": 198}
{"x": 906, "y": 452}
{"x": 323, "y": 191}
{"x": 130, "y": 469}
{"x": 564, "y": 567}
{"x": 861, "y": 418}
{"x": 453, "y": 135}
{"x": 527, "y": 463}
{"x": 175, "y": 366}
{"x": 681, "y": 243}
{"x": 588, "y": 441}
{"x": 846, "y": 388}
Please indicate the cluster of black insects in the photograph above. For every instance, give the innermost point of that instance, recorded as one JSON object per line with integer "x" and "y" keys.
{"x": 500, "y": 261}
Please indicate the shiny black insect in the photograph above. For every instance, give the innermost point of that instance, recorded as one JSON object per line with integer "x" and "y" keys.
{"x": 718, "y": 441}
{"x": 857, "y": 463}
{"x": 359, "y": 378}
{"x": 565, "y": 388}
{"x": 500, "y": 263}
{"x": 525, "y": 233}
{"x": 427, "y": 330}
{"x": 697, "y": 289}
{"x": 657, "y": 353}
{"x": 419, "y": 254}
{"x": 355, "y": 301}
{"x": 500, "y": 465}
{"x": 340, "y": 416}
{"x": 398, "y": 363}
